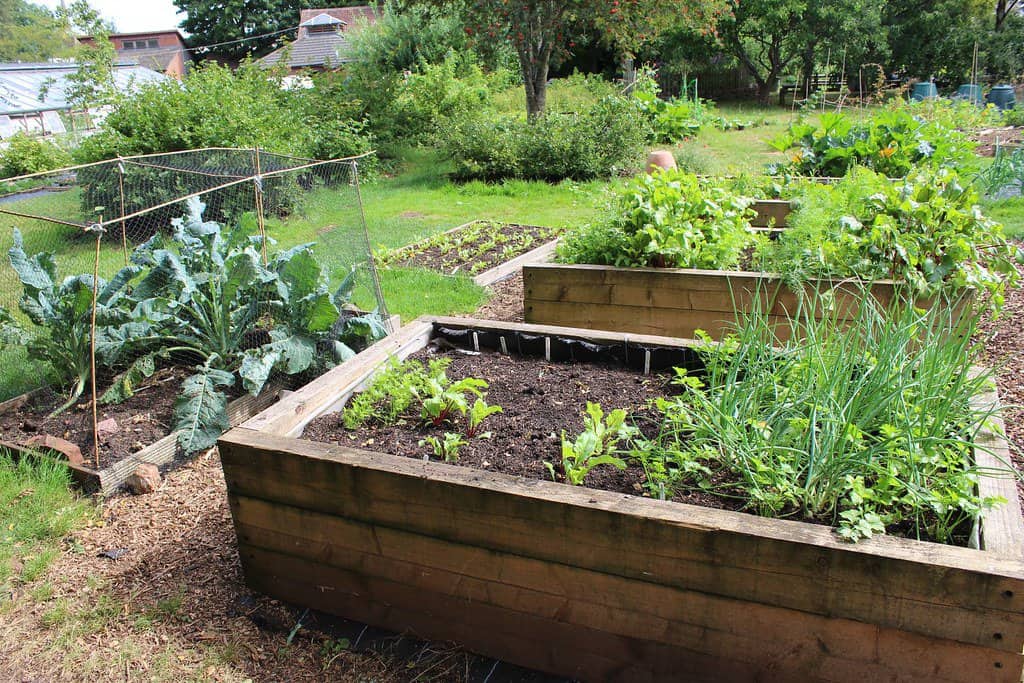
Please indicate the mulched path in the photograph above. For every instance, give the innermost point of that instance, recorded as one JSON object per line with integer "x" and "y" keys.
{"x": 1003, "y": 340}
{"x": 142, "y": 419}
{"x": 506, "y": 300}
{"x": 459, "y": 251}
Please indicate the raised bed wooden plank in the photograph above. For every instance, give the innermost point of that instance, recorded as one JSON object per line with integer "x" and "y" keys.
{"x": 675, "y": 302}
{"x": 894, "y": 583}
{"x": 722, "y": 628}
{"x": 1002, "y": 528}
{"x": 512, "y": 266}
{"x": 577, "y": 652}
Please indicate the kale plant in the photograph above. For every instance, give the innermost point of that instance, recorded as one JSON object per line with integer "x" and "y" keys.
{"x": 61, "y": 311}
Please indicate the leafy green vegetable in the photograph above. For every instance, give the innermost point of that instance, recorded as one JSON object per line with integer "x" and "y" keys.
{"x": 199, "y": 412}
{"x": 670, "y": 219}
{"x": 595, "y": 445}
{"x": 447, "y": 447}
{"x": 61, "y": 310}
{"x": 479, "y": 412}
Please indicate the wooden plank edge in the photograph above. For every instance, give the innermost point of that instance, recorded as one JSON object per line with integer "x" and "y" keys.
{"x": 1002, "y": 527}
{"x": 508, "y": 268}
{"x": 606, "y": 336}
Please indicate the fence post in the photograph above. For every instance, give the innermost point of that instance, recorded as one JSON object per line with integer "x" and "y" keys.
{"x": 97, "y": 229}
{"x": 258, "y": 183}
{"x": 120, "y": 186}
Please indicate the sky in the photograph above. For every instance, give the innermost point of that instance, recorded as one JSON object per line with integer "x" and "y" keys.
{"x": 130, "y": 16}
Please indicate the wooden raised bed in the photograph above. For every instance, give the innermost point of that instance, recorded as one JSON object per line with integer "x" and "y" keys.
{"x": 601, "y": 586}
{"x": 677, "y": 301}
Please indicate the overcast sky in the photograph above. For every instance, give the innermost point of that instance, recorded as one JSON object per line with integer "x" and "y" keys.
{"x": 133, "y": 15}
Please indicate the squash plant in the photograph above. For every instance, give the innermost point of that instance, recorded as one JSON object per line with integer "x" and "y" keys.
{"x": 892, "y": 142}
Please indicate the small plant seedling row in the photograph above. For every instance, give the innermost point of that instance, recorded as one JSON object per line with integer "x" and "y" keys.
{"x": 470, "y": 249}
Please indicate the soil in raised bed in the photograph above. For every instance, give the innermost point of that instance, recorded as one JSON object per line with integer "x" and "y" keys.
{"x": 539, "y": 400}
{"x": 458, "y": 253}
{"x": 142, "y": 419}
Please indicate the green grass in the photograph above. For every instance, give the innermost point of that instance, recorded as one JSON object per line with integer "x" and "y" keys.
{"x": 1009, "y": 212}
{"x": 39, "y": 510}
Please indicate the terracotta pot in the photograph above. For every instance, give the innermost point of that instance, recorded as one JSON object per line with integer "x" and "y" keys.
{"x": 660, "y": 160}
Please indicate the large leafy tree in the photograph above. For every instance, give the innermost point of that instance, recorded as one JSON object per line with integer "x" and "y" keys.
{"x": 243, "y": 24}
{"x": 29, "y": 32}
{"x": 540, "y": 31}
{"x": 925, "y": 41}
{"x": 771, "y": 37}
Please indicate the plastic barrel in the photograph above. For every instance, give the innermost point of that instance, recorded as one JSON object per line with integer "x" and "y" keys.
{"x": 923, "y": 91}
{"x": 969, "y": 92}
{"x": 1002, "y": 96}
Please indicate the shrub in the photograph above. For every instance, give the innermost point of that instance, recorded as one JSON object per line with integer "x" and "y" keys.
{"x": 668, "y": 219}
{"x": 601, "y": 141}
{"x": 26, "y": 154}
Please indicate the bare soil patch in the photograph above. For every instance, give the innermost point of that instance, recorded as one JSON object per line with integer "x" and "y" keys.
{"x": 989, "y": 139}
{"x": 143, "y": 419}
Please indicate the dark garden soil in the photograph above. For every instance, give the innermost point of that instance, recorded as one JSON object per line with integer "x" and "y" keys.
{"x": 987, "y": 139}
{"x": 460, "y": 252}
{"x": 539, "y": 401}
{"x": 141, "y": 420}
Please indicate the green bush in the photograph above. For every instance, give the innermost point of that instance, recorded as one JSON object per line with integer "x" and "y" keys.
{"x": 26, "y": 154}
{"x": 605, "y": 139}
{"x": 669, "y": 219}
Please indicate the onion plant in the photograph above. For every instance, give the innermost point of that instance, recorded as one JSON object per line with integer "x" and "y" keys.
{"x": 868, "y": 425}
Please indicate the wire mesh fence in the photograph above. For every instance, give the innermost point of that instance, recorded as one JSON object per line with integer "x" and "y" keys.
{"x": 156, "y": 289}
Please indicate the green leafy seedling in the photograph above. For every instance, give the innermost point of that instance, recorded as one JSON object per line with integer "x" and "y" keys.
{"x": 595, "y": 445}
{"x": 446, "y": 448}
{"x": 479, "y": 412}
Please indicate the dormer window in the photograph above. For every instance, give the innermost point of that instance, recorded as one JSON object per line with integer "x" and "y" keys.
{"x": 321, "y": 24}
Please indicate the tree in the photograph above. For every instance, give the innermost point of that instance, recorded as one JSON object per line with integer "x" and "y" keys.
{"x": 250, "y": 21}
{"x": 540, "y": 30}
{"x": 924, "y": 42}
{"x": 29, "y": 32}
{"x": 92, "y": 83}
{"x": 1005, "y": 9}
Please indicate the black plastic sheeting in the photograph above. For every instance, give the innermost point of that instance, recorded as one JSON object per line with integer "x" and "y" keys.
{"x": 628, "y": 354}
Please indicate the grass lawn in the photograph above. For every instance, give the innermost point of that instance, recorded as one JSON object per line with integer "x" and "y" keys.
{"x": 39, "y": 511}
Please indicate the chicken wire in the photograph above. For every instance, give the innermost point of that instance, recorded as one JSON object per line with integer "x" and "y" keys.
{"x": 136, "y": 218}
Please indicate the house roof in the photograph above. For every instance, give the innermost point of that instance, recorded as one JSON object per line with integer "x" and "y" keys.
{"x": 323, "y": 19}
{"x": 22, "y": 83}
{"x": 348, "y": 15}
{"x": 317, "y": 49}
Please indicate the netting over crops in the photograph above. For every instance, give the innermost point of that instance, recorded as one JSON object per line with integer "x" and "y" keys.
{"x": 216, "y": 270}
